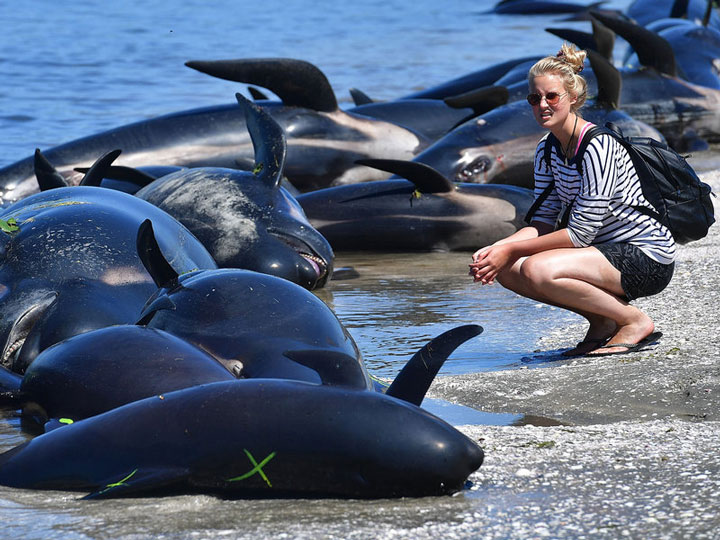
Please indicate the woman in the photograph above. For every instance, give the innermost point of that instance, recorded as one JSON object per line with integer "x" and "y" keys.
{"x": 608, "y": 253}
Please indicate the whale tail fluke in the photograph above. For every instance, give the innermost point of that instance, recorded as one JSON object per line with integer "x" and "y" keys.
{"x": 414, "y": 380}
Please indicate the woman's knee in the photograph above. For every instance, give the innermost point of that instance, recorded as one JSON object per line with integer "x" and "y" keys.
{"x": 537, "y": 271}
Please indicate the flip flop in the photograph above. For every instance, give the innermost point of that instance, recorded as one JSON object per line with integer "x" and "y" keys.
{"x": 598, "y": 342}
{"x": 629, "y": 347}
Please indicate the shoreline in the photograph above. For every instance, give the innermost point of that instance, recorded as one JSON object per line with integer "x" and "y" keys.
{"x": 678, "y": 377}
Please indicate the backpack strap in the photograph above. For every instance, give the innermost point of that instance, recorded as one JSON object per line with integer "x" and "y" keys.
{"x": 590, "y": 134}
{"x": 537, "y": 202}
{"x": 547, "y": 149}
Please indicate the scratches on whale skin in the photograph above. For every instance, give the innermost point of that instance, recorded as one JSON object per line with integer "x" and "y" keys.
{"x": 228, "y": 212}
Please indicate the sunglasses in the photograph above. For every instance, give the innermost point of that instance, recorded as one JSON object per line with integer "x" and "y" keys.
{"x": 552, "y": 98}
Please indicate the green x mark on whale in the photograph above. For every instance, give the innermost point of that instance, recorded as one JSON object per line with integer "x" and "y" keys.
{"x": 257, "y": 468}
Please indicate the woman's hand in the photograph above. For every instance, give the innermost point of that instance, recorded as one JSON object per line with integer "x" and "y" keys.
{"x": 489, "y": 261}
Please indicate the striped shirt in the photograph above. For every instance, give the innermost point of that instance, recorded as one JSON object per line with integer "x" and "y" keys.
{"x": 601, "y": 200}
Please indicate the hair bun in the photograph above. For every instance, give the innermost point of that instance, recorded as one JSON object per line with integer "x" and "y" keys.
{"x": 573, "y": 57}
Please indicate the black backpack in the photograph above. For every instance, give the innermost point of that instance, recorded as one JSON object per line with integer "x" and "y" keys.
{"x": 681, "y": 201}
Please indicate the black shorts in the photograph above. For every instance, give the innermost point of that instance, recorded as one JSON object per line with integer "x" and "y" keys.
{"x": 639, "y": 274}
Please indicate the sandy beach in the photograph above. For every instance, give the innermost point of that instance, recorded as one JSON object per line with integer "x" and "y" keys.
{"x": 630, "y": 442}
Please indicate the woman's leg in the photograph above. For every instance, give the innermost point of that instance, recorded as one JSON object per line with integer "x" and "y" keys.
{"x": 581, "y": 280}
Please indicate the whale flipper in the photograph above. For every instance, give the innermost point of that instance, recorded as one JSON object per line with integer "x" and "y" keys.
{"x": 414, "y": 380}
{"x": 138, "y": 481}
{"x": 335, "y": 368}
{"x": 296, "y": 82}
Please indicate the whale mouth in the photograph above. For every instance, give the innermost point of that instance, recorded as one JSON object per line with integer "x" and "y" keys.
{"x": 9, "y": 355}
{"x": 316, "y": 262}
{"x": 21, "y": 328}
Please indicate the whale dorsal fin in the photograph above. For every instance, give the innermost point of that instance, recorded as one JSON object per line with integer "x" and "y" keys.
{"x": 609, "y": 81}
{"x": 359, "y": 97}
{"x": 601, "y": 40}
{"x": 126, "y": 174}
{"x": 47, "y": 176}
{"x": 652, "y": 50}
{"x": 480, "y": 100}
{"x": 425, "y": 178}
{"x": 256, "y": 93}
{"x": 295, "y": 82}
{"x": 162, "y": 273}
{"x": 99, "y": 169}
{"x": 268, "y": 141}
{"x": 414, "y": 380}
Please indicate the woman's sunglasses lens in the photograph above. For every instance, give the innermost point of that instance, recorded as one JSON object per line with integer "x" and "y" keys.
{"x": 551, "y": 97}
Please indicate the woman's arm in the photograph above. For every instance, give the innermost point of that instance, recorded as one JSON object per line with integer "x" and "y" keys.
{"x": 490, "y": 261}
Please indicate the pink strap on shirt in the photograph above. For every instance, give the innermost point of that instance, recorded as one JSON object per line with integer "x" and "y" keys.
{"x": 582, "y": 132}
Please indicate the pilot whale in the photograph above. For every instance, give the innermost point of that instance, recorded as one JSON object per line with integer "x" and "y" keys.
{"x": 69, "y": 264}
{"x": 251, "y": 438}
{"x": 323, "y": 140}
{"x": 422, "y": 212}
{"x": 247, "y": 219}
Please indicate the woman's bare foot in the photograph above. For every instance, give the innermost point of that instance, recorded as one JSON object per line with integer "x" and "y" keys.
{"x": 601, "y": 330}
{"x": 627, "y": 335}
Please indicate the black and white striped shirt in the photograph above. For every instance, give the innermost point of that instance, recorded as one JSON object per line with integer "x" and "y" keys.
{"x": 601, "y": 199}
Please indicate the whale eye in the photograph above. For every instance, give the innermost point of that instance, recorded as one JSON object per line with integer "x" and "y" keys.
{"x": 474, "y": 170}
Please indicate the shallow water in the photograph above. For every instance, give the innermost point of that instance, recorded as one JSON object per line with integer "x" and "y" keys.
{"x": 401, "y": 301}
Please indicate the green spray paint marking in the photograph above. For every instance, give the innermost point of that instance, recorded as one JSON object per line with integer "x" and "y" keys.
{"x": 65, "y": 421}
{"x": 122, "y": 482}
{"x": 257, "y": 468}
{"x": 416, "y": 194}
{"x": 118, "y": 484}
{"x": 9, "y": 226}
{"x": 257, "y": 169}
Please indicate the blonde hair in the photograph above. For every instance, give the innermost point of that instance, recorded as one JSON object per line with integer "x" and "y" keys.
{"x": 568, "y": 63}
